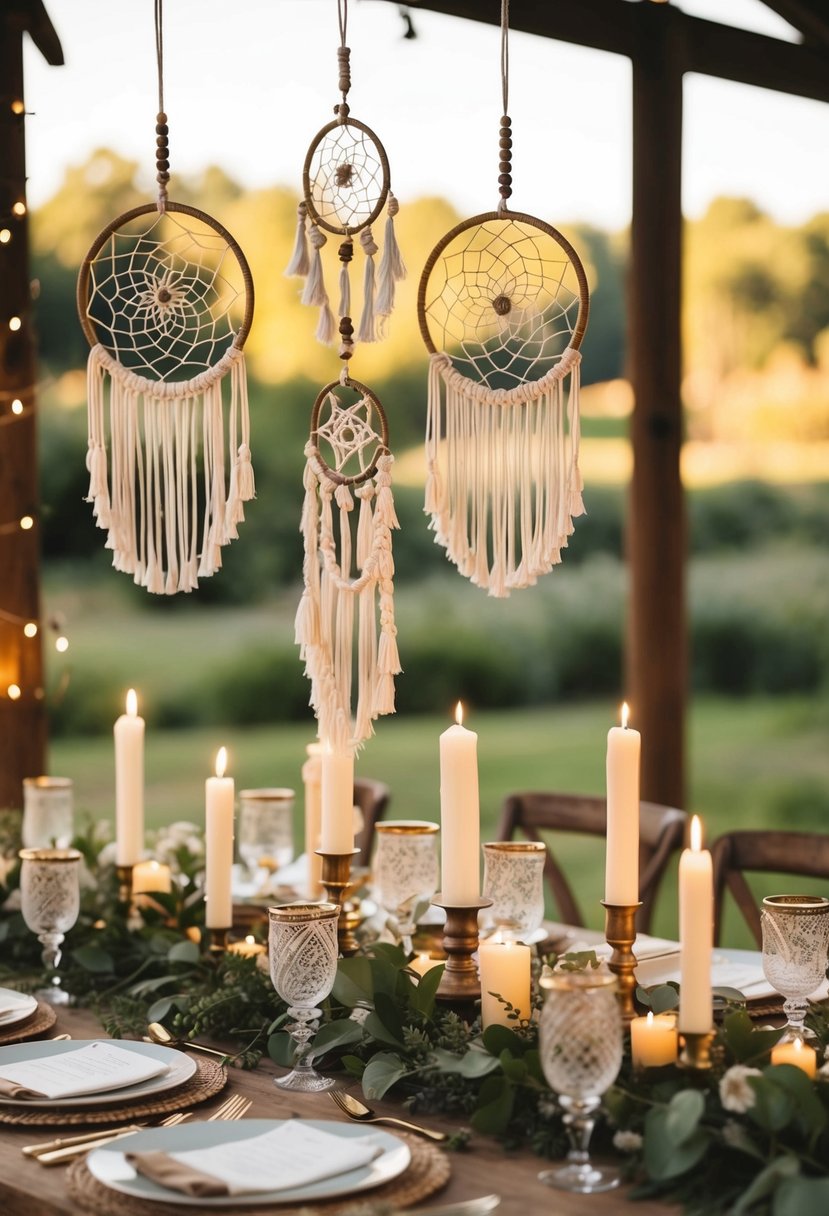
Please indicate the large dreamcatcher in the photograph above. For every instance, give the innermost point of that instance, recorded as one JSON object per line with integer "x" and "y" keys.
{"x": 348, "y": 580}
{"x": 165, "y": 298}
{"x": 502, "y": 306}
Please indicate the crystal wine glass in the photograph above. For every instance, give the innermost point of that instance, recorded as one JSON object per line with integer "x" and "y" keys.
{"x": 795, "y": 942}
{"x": 580, "y": 1040}
{"x": 47, "y": 812}
{"x": 50, "y": 902}
{"x": 266, "y": 828}
{"x": 514, "y": 881}
{"x": 405, "y": 871}
{"x": 303, "y": 960}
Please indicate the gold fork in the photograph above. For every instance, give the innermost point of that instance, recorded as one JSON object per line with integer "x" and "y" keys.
{"x": 58, "y": 1156}
{"x": 235, "y": 1107}
{"x": 355, "y": 1109}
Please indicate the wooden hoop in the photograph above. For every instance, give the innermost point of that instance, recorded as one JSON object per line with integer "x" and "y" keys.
{"x": 359, "y": 478}
{"x": 82, "y": 294}
{"x": 507, "y": 216}
{"x": 337, "y": 229}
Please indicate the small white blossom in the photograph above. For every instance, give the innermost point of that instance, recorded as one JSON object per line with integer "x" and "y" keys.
{"x": 106, "y": 857}
{"x": 359, "y": 1015}
{"x": 547, "y": 1107}
{"x": 736, "y": 1093}
{"x": 733, "y": 1134}
{"x": 627, "y": 1142}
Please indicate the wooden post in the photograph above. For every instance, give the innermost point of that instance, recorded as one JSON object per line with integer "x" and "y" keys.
{"x": 22, "y": 711}
{"x": 657, "y": 660}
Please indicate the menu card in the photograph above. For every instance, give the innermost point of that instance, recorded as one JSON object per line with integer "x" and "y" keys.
{"x": 95, "y": 1068}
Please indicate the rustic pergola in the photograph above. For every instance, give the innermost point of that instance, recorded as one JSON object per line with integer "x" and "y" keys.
{"x": 663, "y": 43}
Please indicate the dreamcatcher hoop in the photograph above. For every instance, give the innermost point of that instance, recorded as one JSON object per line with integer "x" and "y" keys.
{"x": 355, "y": 479}
{"x": 309, "y": 183}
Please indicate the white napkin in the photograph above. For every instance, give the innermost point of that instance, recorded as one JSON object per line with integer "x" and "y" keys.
{"x": 12, "y": 1003}
{"x": 292, "y": 1155}
{"x": 96, "y": 1068}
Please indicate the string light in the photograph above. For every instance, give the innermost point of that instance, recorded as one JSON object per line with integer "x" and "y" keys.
{"x": 14, "y": 324}
{"x": 19, "y": 208}
{"x": 61, "y": 644}
{"x": 14, "y": 692}
{"x": 17, "y": 406}
{"x": 5, "y": 236}
{"x": 18, "y": 107}
{"x": 30, "y": 629}
{"x": 27, "y": 522}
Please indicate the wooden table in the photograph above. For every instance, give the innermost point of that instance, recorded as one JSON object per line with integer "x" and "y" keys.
{"x": 29, "y": 1189}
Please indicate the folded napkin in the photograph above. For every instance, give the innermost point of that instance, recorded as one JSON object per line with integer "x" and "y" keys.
{"x": 96, "y": 1068}
{"x": 12, "y": 1003}
{"x": 292, "y": 1155}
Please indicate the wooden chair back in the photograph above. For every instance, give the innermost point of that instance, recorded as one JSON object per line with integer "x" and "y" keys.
{"x": 661, "y": 832}
{"x": 802, "y": 854}
{"x": 372, "y": 797}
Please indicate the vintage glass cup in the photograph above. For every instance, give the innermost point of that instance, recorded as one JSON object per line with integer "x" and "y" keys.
{"x": 266, "y": 828}
{"x": 580, "y": 1041}
{"x": 514, "y": 881}
{"x": 795, "y": 942}
{"x": 50, "y": 902}
{"x": 47, "y": 812}
{"x": 405, "y": 871}
{"x": 303, "y": 960}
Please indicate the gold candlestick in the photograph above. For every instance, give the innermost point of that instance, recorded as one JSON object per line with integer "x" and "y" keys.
{"x": 124, "y": 876}
{"x": 336, "y": 879}
{"x": 460, "y": 981}
{"x": 696, "y": 1050}
{"x": 216, "y": 943}
{"x": 620, "y": 933}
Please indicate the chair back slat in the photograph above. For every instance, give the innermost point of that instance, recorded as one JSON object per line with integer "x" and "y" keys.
{"x": 372, "y": 797}
{"x": 799, "y": 854}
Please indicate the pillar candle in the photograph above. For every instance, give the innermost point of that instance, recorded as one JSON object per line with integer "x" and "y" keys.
{"x": 218, "y": 799}
{"x": 653, "y": 1040}
{"x": 151, "y": 876}
{"x": 798, "y": 1053}
{"x": 460, "y": 815}
{"x": 622, "y": 857}
{"x": 129, "y": 784}
{"x": 696, "y": 934}
{"x": 505, "y": 970}
{"x": 337, "y": 834}
{"x": 423, "y": 962}
{"x": 312, "y": 780}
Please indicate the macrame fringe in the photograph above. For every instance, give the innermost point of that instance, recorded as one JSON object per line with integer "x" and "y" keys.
{"x": 367, "y": 331}
{"x": 299, "y": 263}
{"x": 503, "y": 481}
{"x": 392, "y": 268}
{"x": 325, "y": 619}
{"x": 147, "y": 496}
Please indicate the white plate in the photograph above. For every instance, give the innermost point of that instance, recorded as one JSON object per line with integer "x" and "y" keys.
{"x": 28, "y": 1004}
{"x": 180, "y": 1069}
{"x": 110, "y": 1166}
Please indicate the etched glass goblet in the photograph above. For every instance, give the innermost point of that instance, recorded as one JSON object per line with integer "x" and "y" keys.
{"x": 795, "y": 942}
{"x": 47, "y": 812}
{"x": 303, "y": 960}
{"x": 580, "y": 1041}
{"x": 266, "y": 828}
{"x": 50, "y": 902}
{"x": 405, "y": 871}
{"x": 514, "y": 881}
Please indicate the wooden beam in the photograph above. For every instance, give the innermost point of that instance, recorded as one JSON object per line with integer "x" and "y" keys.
{"x": 804, "y": 17}
{"x": 656, "y": 655}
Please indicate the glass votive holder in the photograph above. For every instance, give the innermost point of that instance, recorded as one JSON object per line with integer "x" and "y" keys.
{"x": 514, "y": 881}
{"x": 266, "y": 828}
{"x": 47, "y": 812}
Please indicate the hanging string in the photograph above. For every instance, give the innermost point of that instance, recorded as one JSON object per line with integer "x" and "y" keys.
{"x": 162, "y": 150}
{"x": 505, "y": 132}
{"x": 505, "y": 54}
{"x": 343, "y": 56}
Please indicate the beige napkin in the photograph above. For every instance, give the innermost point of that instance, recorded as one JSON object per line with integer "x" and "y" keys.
{"x": 166, "y": 1171}
{"x": 11, "y": 1089}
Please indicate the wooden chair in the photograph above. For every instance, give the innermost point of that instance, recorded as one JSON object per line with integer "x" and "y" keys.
{"x": 661, "y": 832}
{"x": 372, "y": 797}
{"x": 805, "y": 854}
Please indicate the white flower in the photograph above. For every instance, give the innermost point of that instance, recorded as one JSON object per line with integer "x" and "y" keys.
{"x": 735, "y": 1091}
{"x": 627, "y": 1142}
{"x": 547, "y": 1107}
{"x": 359, "y": 1015}
{"x": 733, "y": 1134}
{"x": 106, "y": 857}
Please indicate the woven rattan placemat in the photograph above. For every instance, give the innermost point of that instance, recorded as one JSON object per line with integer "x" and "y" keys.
{"x": 427, "y": 1172}
{"x": 43, "y": 1019}
{"x": 208, "y": 1079}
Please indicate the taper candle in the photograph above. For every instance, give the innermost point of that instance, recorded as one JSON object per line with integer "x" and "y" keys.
{"x": 129, "y": 784}
{"x": 696, "y": 934}
{"x": 622, "y": 856}
{"x": 219, "y": 796}
{"x": 337, "y": 834}
{"x": 312, "y": 781}
{"x": 460, "y": 815}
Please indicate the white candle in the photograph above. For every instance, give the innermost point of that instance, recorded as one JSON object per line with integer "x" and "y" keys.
{"x": 248, "y": 948}
{"x": 129, "y": 784}
{"x": 696, "y": 934}
{"x": 460, "y": 815}
{"x": 151, "y": 876}
{"x": 424, "y": 962}
{"x": 312, "y": 779}
{"x": 337, "y": 834}
{"x": 218, "y": 801}
{"x": 798, "y": 1053}
{"x": 505, "y": 972}
{"x": 653, "y": 1040}
{"x": 622, "y": 857}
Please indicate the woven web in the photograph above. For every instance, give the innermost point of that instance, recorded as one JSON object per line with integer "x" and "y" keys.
{"x": 166, "y": 296}
{"x": 346, "y": 435}
{"x": 503, "y": 301}
{"x": 346, "y": 177}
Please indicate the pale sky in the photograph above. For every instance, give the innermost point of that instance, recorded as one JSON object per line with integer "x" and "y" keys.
{"x": 249, "y": 82}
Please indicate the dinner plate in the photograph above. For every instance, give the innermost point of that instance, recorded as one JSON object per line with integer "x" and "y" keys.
{"x": 110, "y": 1166}
{"x": 180, "y": 1069}
{"x": 27, "y": 1006}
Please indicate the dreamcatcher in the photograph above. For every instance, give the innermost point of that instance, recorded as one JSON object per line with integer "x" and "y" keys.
{"x": 502, "y": 306}
{"x": 165, "y": 298}
{"x": 347, "y": 455}
{"x": 345, "y": 185}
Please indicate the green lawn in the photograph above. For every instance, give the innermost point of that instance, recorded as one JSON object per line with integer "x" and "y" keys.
{"x": 754, "y": 763}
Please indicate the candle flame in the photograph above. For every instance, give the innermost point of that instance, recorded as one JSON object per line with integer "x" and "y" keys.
{"x": 132, "y": 703}
{"x": 696, "y": 834}
{"x": 650, "y": 1017}
{"x": 625, "y": 714}
{"x": 221, "y": 761}
{"x": 250, "y": 940}
{"x": 798, "y": 1045}
{"x": 459, "y": 714}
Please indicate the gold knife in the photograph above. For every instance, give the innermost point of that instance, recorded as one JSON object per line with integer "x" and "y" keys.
{"x": 48, "y": 1146}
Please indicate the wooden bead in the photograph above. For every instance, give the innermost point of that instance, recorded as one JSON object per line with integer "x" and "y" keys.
{"x": 346, "y": 251}
{"x": 506, "y": 121}
{"x": 504, "y": 166}
{"x": 161, "y": 128}
{"x": 346, "y": 327}
{"x": 504, "y": 179}
{"x": 162, "y": 177}
{"x": 505, "y": 141}
{"x": 505, "y": 191}
{"x": 162, "y": 164}
{"x": 161, "y": 116}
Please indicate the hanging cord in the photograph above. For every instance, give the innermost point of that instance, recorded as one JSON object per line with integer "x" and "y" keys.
{"x": 343, "y": 57}
{"x": 162, "y": 145}
{"x": 505, "y": 131}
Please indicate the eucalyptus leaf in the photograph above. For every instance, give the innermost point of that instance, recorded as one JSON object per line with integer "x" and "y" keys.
{"x": 158, "y": 1011}
{"x": 801, "y": 1197}
{"x": 376, "y": 1028}
{"x": 495, "y": 1111}
{"x": 183, "y": 952}
{"x": 94, "y": 959}
{"x": 660, "y": 998}
{"x": 683, "y": 1115}
{"x": 389, "y": 1015}
{"x": 514, "y": 1070}
{"x": 422, "y": 996}
{"x": 281, "y": 1048}
{"x": 773, "y": 1106}
{"x": 332, "y": 1035}
{"x": 353, "y": 983}
{"x": 497, "y": 1038}
{"x": 808, "y": 1108}
{"x": 390, "y": 953}
{"x": 766, "y": 1182}
{"x": 354, "y": 1065}
{"x": 381, "y": 1072}
{"x": 471, "y": 1064}
{"x": 663, "y": 1157}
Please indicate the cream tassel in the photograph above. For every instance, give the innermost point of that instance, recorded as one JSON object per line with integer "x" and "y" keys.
{"x": 366, "y": 332}
{"x": 299, "y": 263}
{"x": 392, "y": 267}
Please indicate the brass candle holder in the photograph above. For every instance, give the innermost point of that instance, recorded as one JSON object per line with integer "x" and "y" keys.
{"x": 124, "y": 876}
{"x": 620, "y": 933}
{"x": 460, "y": 982}
{"x": 695, "y": 1053}
{"x": 216, "y": 942}
{"x": 336, "y": 879}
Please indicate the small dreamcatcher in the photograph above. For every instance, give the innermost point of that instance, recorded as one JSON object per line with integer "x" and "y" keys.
{"x": 165, "y": 298}
{"x": 345, "y": 185}
{"x": 502, "y": 306}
